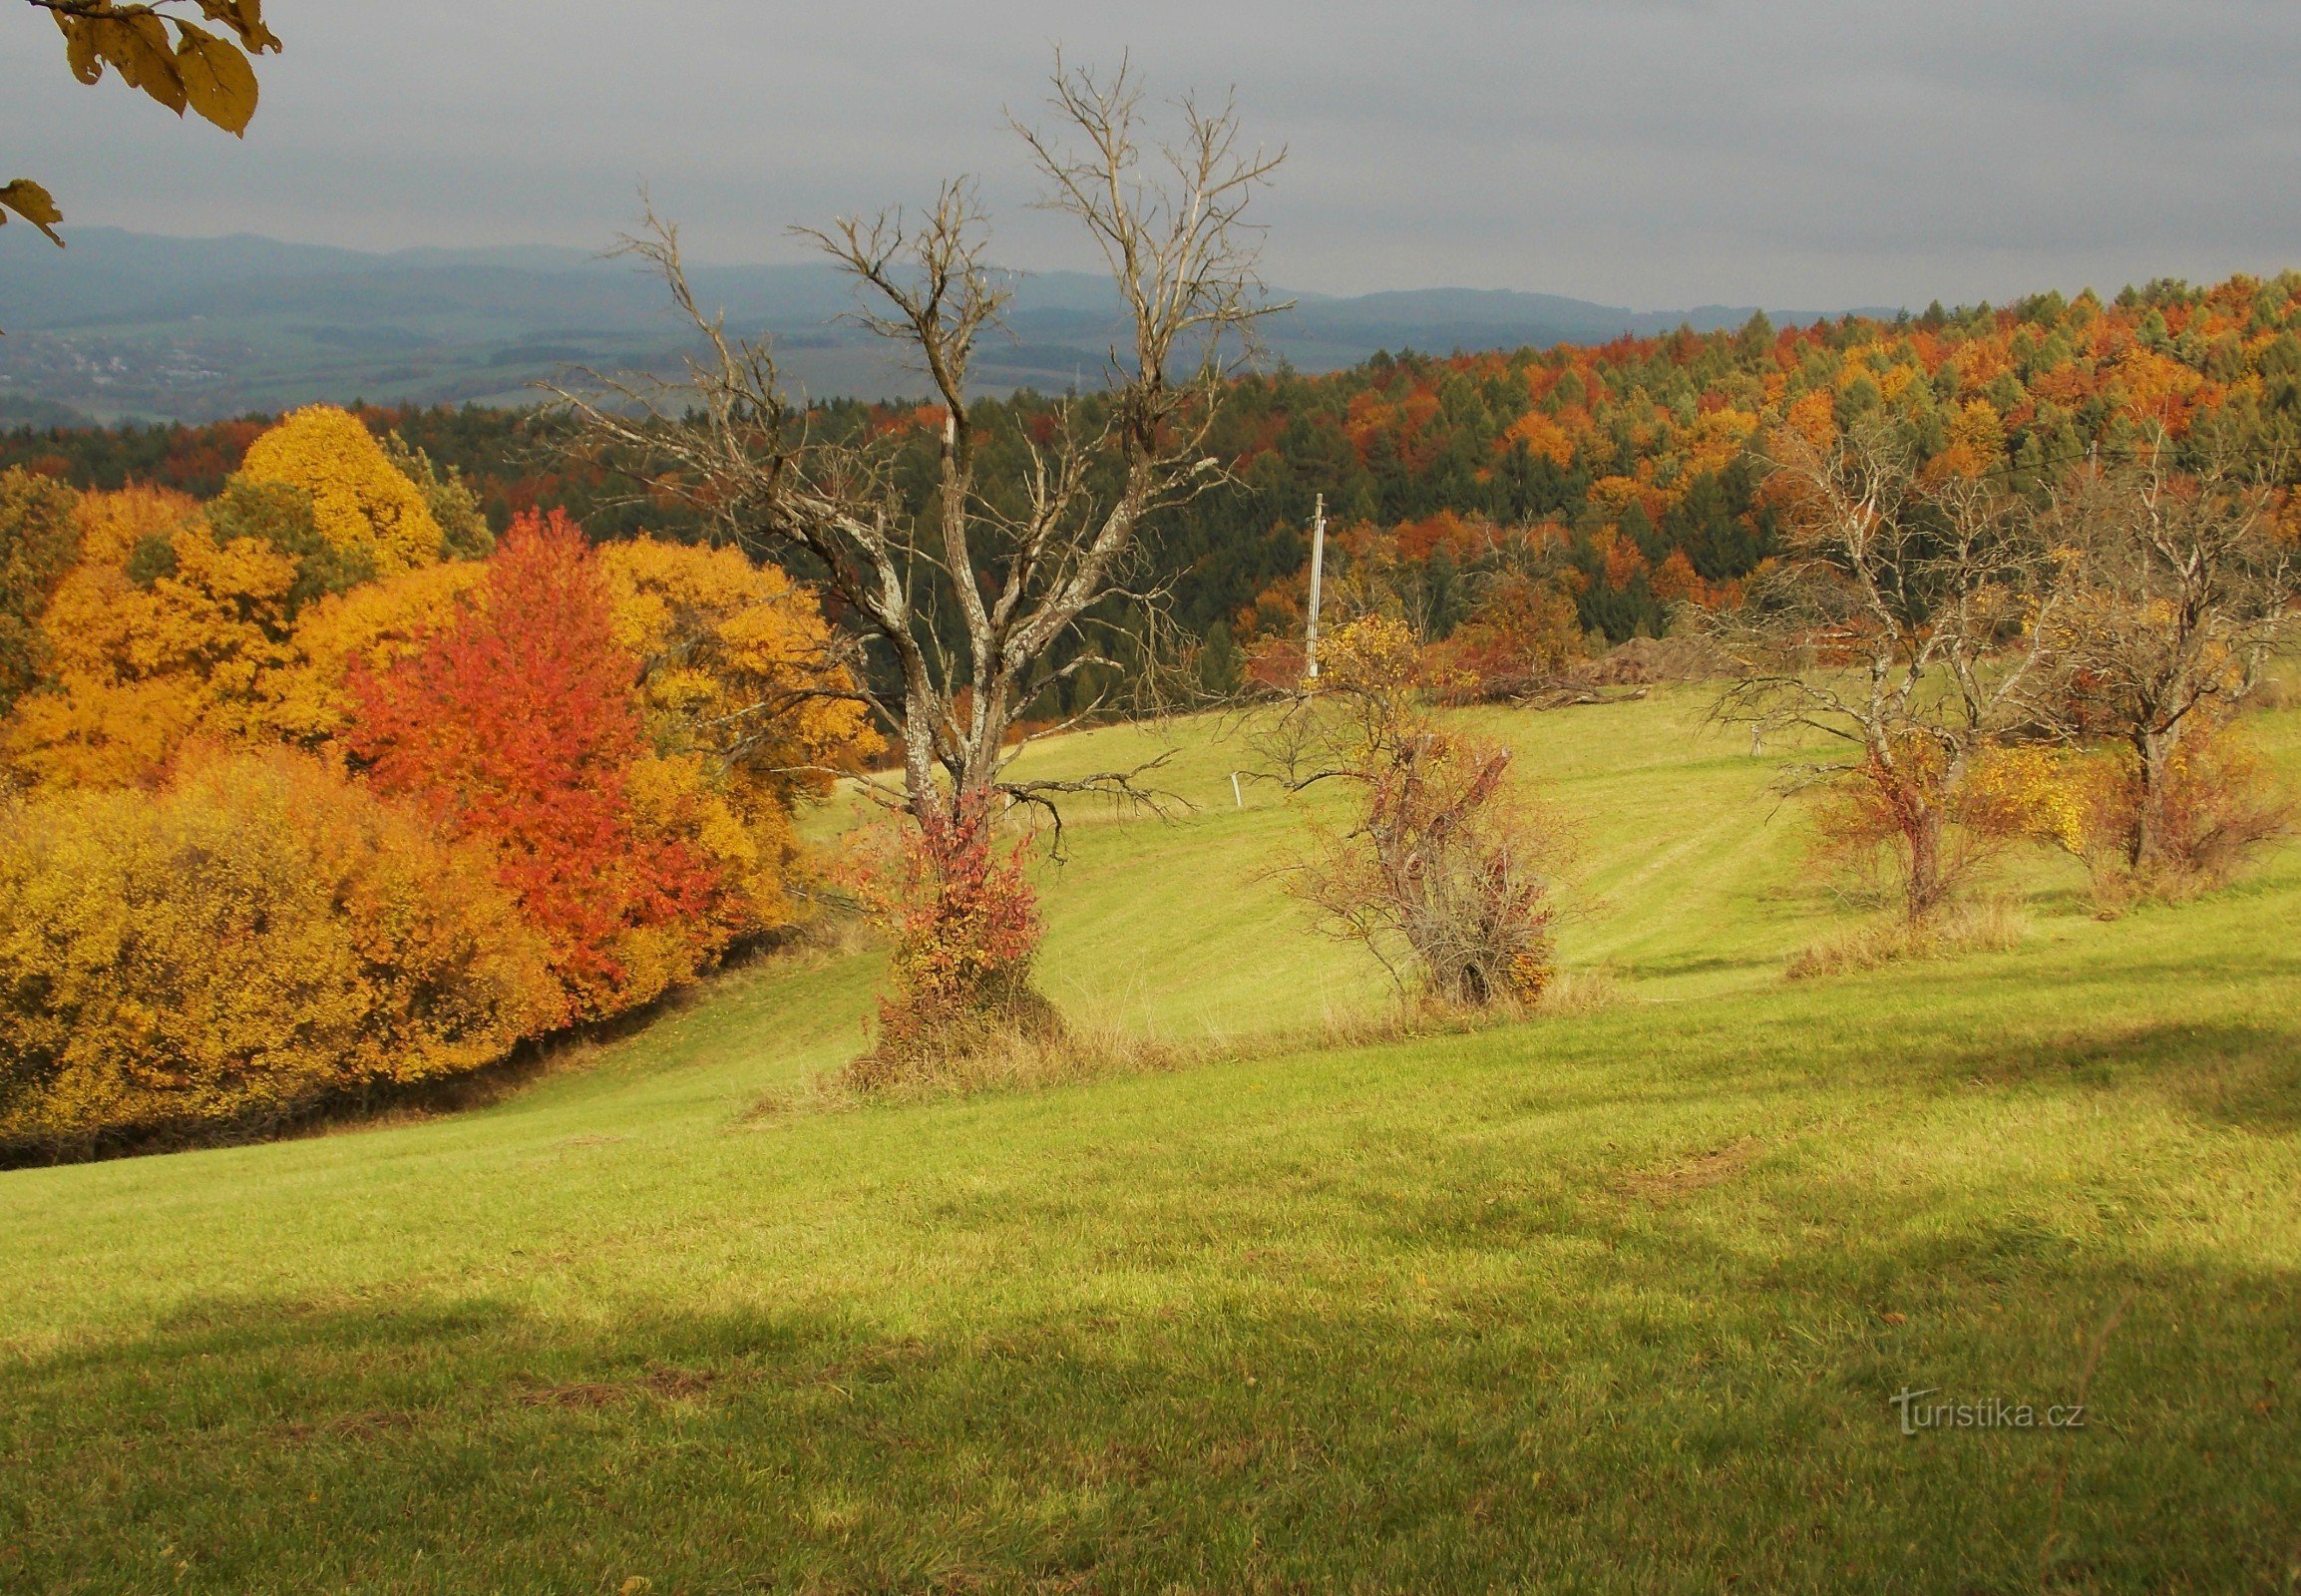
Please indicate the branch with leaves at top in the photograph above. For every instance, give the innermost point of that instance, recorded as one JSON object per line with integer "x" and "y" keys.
{"x": 206, "y": 72}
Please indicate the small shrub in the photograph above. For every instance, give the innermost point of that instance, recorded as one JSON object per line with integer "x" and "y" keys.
{"x": 2213, "y": 807}
{"x": 2216, "y": 807}
{"x": 965, "y": 928}
{"x": 1445, "y": 872}
{"x": 1932, "y": 828}
{"x": 259, "y": 939}
{"x": 1448, "y": 865}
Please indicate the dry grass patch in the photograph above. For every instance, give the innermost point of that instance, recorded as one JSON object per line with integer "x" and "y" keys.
{"x": 1026, "y": 1059}
{"x": 1991, "y": 926}
{"x": 1579, "y": 991}
{"x": 1666, "y": 1181}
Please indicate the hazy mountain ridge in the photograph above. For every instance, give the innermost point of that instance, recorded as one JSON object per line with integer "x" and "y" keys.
{"x": 135, "y": 324}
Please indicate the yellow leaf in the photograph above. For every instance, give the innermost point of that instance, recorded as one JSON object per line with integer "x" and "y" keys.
{"x": 80, "y": 46}
{"x": 246, "y": 19}
{"x": 218, "y": 81}
{"x": 251, "y": 26}
{"x": 31, "y": 201}
{"x": 137, "y": 46}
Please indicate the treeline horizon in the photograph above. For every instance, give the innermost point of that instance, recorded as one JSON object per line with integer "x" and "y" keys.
{"x": 1633, "y": 466}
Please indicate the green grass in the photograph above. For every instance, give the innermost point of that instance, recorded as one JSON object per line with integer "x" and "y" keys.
{"x": 1610, "y": 1302}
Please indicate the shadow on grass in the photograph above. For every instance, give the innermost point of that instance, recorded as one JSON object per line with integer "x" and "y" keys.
{"x": 1469, "y": 1345}
{"x": 2245, "y": 1074}
{"x": 1669, "y": 1415}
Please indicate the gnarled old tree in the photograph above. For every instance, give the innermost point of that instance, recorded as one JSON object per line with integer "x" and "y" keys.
{"x": 2181, "y": 586}
{"x": 964, "y": 605}
{"x": 1905, "y": 622}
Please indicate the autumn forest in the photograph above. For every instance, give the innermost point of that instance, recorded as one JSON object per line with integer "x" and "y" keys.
{"x": 1624, "y": 470}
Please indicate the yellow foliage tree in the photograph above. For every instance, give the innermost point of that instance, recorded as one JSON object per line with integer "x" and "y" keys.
{"x": 39, "y": 544}
{"x": 1977, "y": 443}
{"x": 1717, "y": 438}
{"x": 112, "y": 524}
{"x": 363, "y": 504}
{"x": 160, "y": 634}
{"x": 262, "y": 937}
{"x": 745, "y": 703}
{"x": 109, "y": 718}
{"x": 371, "y": 626}
{"x": 180, "y": 624}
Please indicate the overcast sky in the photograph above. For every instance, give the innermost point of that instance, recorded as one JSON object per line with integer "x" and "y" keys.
{"x": 1812, "y": 154}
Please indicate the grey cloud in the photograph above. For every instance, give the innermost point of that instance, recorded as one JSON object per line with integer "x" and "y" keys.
{"x": 1651, "y": 154}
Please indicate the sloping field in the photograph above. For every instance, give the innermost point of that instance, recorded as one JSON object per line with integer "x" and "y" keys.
{"x": 1612, "y": 1301}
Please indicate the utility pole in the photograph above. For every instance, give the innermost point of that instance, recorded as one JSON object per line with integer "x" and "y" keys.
{"x": 1318, "y": 572}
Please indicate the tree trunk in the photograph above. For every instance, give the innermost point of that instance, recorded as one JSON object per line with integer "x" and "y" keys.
{"x": 2151, "y": 749}
{"x": 1924, "y": 886}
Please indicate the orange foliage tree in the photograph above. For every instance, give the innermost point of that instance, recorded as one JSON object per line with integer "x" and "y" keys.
{"x": 516, "y": 723}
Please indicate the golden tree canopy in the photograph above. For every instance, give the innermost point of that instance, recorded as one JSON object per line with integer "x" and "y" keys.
{"x": 363, "y": 504}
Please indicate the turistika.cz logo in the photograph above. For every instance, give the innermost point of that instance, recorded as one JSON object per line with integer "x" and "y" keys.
{"x": 1989, "y": 1412}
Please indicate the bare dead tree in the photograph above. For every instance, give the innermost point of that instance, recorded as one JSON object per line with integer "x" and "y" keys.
{"x": 1171, "y": 222}
{"x": 1904, "y": 621}
{"x": 2180, "y": 591}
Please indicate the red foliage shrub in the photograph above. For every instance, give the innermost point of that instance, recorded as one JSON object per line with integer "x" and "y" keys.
{"x": 967, "y": 928}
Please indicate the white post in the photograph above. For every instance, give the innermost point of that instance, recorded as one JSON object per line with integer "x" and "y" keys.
{"x": 1237, "y": 796}
{"x": 1318, "y": 572}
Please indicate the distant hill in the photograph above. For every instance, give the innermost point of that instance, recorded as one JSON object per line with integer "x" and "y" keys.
{"x": 126, "y": 325}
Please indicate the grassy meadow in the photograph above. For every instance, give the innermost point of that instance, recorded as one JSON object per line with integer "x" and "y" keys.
{"x": 1613, "y": 1300}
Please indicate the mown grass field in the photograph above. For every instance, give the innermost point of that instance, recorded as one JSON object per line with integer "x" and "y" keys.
{"x": 1615, "y": 1301}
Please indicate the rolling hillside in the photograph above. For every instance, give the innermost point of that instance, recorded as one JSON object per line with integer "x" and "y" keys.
{"x": 1616, "y": 1299}
{"x": 125, "y": 324}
